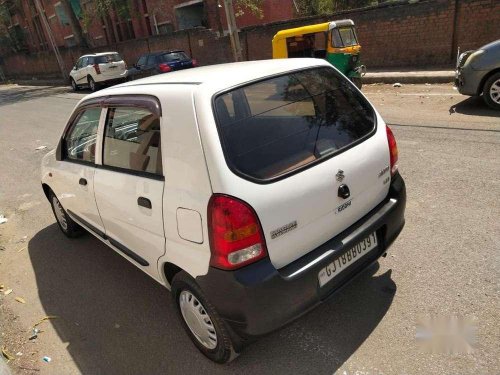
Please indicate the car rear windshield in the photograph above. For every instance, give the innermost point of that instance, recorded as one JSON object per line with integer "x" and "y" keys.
{"x": 278, "y": 125}
{"x": 173, "y": 56}
{"x": 112, "y": 57}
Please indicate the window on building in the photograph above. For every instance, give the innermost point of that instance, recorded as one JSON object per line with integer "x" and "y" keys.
{"x": 70, "y": 41}
{"x": 165, "y": 28}
{"x": 61, "y": 14}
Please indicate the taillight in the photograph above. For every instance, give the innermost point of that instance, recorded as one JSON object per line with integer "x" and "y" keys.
{"x": 194, "y": 62}
{"x": 97, "y": 70}
{"x": 393, "y": 150}
{"x": 235, "y": 233}
{"x": 164, "y": 68}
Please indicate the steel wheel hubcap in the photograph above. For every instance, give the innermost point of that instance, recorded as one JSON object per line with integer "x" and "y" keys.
{"x": 495, "y": 91}
{"x": 60, "y": 215}
{"x": 197, "y": 319}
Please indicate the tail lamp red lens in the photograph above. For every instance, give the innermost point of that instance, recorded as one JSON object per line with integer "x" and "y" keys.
{"x": 164, "y": 68}
{"x": 97, "y": 69}
{"x": 194, "y": 62}
{"x": 236, "y": 237}
{"x": 393, "y": 150}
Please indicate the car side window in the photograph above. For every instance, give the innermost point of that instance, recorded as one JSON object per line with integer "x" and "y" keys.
{"x": 132, "y": 140}
{"x": 79, "y": 63}
{"x": 151, "y": 59}
{"x": 142, "y": 60}
{"x": 80, "y": 141}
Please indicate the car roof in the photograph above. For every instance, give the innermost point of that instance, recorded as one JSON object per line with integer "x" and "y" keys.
{"x": 158, "y": 53}
{"x": 98, "y": 54}
{"x": 212, "y": 78}
{"x": 227, "y": 75}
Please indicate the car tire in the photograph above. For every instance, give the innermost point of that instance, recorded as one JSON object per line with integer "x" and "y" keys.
{"x": 67, "y": 225}
{"x": 92, "y": 85}
{"x": 74, "y": 86}
{"x": 357, "y": 81}
{"x": 491, "y": 91}
{"x": 213, "y": 338}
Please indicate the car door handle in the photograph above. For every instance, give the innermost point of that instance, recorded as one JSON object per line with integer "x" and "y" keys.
{"x": 82, "y": 181}
{"x": 144, "y": 202}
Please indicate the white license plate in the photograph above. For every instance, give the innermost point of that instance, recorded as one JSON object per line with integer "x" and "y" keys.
{"x": 352, "y": 255}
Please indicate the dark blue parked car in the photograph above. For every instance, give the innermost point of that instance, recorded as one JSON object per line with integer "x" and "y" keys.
{"x": 154, "y": 63}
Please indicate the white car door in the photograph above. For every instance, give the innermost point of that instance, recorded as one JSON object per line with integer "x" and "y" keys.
{"x": 74, "y": 178}
{"x": 80, "y": 74}
{"x": 129, "y": 183}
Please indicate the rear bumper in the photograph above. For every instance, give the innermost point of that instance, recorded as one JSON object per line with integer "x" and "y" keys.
{"x": 258, "y": 299}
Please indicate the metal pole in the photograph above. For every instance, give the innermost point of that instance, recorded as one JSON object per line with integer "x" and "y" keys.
{"x": 233, "y": 30}
{"x": 51, "y": 39}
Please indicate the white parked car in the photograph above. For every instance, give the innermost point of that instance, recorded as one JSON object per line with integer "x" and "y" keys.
{"x": 98, "y": 69}
{"x": 253, "y": 191}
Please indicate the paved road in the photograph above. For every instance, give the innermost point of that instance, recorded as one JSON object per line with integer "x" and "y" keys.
{"x": 113, "y": 319}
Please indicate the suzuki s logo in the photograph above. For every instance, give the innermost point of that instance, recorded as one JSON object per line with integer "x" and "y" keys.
{"x": 340, "y": 175}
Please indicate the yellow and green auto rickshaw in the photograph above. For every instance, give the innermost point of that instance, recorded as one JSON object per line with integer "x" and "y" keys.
{"x": 334, "y": 41}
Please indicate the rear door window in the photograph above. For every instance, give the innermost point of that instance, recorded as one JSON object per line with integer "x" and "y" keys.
{"x": 132, "y": 141}
{"x": 283, "y": 123}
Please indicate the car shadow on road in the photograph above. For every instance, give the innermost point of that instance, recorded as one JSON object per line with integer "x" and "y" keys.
{"x": 473, "y": 106}
{"x": 117, "y": 320}
{"x": 18, "y": 94}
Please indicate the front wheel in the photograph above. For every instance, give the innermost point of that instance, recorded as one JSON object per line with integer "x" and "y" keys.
{"x": 74, "y": 86}
{"x": 357, "y": 81}
{"x": 207, "y": 330}
{"x": 69, "y": 227}
{"x": 491, "y": 91}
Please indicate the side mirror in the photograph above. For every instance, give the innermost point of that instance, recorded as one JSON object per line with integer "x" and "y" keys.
{"x": 138, "y": 67}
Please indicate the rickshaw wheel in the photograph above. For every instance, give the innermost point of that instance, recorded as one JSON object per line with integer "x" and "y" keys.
{"x": 357, "y": 82}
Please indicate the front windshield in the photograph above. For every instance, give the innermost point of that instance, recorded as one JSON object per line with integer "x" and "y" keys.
{"x": 344, "y": 37}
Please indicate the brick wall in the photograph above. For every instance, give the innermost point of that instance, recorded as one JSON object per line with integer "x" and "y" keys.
{"x": 423, "y": 34}
{"x": 402, "y": 35}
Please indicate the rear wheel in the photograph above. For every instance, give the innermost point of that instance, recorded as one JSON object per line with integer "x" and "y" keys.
{"x": 491, "y": 91}
{"x": 207, "y": 330}
{"x": 92, "y": 84}
{"x": 74, "y": 86}
{"x": 69, "y": 227}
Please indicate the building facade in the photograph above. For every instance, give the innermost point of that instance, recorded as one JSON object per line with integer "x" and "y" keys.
{"x": 124, "y": 20}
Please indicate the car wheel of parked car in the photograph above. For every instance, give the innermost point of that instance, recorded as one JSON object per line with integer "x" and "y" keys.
{"x": 204, "y": 326}
{"x": 74, "y": 86}
{"x": 69, "y": 227}
{"x": 92, "y": 84}
{"x": 491, "y": 91}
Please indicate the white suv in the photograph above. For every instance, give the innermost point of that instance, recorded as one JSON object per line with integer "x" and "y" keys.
{"x": 253, "y": 191}
{"x": 98, "y": 69}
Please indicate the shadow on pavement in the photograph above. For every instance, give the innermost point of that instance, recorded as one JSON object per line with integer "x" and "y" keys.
{"x": 117, "y": 320}
{"x": 17, "y": 94}
{"x": 473, "y": 106}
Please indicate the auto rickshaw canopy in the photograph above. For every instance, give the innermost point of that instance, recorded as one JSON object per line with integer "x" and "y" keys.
{"x": 279, "y": 42}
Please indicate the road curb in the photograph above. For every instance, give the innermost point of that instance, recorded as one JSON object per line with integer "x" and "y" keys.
{"x": 411, "y": 77}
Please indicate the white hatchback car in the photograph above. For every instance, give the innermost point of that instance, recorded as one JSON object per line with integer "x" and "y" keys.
{"x": 252, "y": 190}
{"x": 97, "y": 69}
